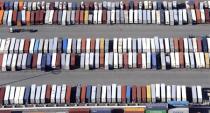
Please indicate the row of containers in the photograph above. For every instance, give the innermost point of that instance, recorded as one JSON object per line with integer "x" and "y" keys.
{"x": 104, "y": 45}
{"x": 116, "y": 53}
{"x": 122, "y": 12}
{"x": 191, "y": 109}
{"x": 114, "y": 94}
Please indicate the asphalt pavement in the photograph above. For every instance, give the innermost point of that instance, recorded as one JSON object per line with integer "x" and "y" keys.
{"x": 121, "y": 76}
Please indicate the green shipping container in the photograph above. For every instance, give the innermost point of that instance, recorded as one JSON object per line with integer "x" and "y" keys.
{"x": 156, "y": 111}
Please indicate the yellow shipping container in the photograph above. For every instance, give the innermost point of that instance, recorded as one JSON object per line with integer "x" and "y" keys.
{"x": 102, "y": 45}
{"x": 86, "y": 16}
{"x": 207, "y": 59}
{"x": 148, "y": 93}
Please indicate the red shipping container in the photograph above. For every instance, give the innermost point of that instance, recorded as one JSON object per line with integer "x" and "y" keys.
{"x": 199, "y": 44}
{"x": 83, "y": 93}
{"x": 125, "y": 60}
{"x": 26, "y": 45}
{"x": 48, "y": 93}
{"x": 144, "y": 94}
{"x": 123, "y": 94}
{"x": 68, "y": 94}
{"x": 139, "y": 60}
{"x": 134, "y": 93}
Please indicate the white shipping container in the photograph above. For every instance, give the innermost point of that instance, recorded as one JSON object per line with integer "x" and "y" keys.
{"x": 166, "y": 42}
{"x": 139, "y": 45}
{"x": 163, "y": 92}
{"x": 152, "y": 40}
{"x": 208, "y": 40}
{"x": 168, "y": 93}
{"x": 136, "y": 15}
{"x": 88, "y": 45}
{"x": 14, "y": 61}
{"x": 203, "y": 20}
{"x": 171, "y": 17}
{"x": 187, "y": 60}
{"x": 153, "y": 16}
{"x": 148, "y": 60}
{"x": 119, "y": 93}
{"x": 31, "y": 48}
{"x": 157, "y": 16}
{"x": 55, "y": 44}
{"x": 50, "y": 21}
{"x": 33, "y": 93}
{"x": 153, "y": 92}
{"x": 12, "y": 95}
{"x": 144, "y": 60}
{"x": 64, "y": 15}
{"x": 130, "y": 16}
{"x": 103, "y": 94}
{"x": 53, "y": 60}
{"x": 199, "y": 92}
{"x": 16, "y": 47}
{"x": 178, "y": 92}
{"x": 177, "y": 59}
{"x": 9, "y": 19}
{"x": 202, "y": 60}
{"x": 184, "y": 11}
{"x": 87, "y": 61}
{"x": 43, "y": 93}
{"x": 82, "y": 60}
{"x": 38, "y": 94}
{"x": 148, "y": 48}
{"x": 106, "y": 67}
{"x": 144, "y": 45}
{"x": 12, "y": 45}
{"x": 186, "y": 47}
{"x": 140, "y": 16}
{"x": 134, "y": 55}
{"x": 180, "y": 16}
{"x": 157, "y": 92}
{"x": 130, "y": 60}
{"x": 125, "y": 45}
{"x": 21, "y": 96}
{"x": 149, "y": 20}
{"x": 144, "y": 16}
{"x": 194, "y": 94}
{"x": 93, "y": 94}
{"x": 58, "y": 95}
{"x": 96, "y": 60}
{"x": 79, "y": 41}
{"x": 115, "y": 41}
{"x": 129, "y": 44}
{"x": 109, "y": 94}
{"x": 97, "y": 46}
{"x": 46, "y": 42}
{"x": 7, "y": 45}
{"x": 69, "y": 46}
{"x": 195, "y": 44}
{"x": 16, "y": 96}
{"x": 120, "y": 45}
{"x": 24, "y": 59}
{"x": 162, "y": 49}
{"x": 193, "y": 15}
{"x": 39, "y": 61}
{"x": 91, "y": 60}
{"x": 3, "y": 41}
{"x": 4, "y": 62}
{"x": 116, "y": 61}
{"x": 197, "y": 60}
{"x": 53, "y": 93}
{"x": 114, "y": 92}
{"x": 184, "y": 93}
{"x": 167, "y": 18}
{"x": 157, "y": 45}
{"x": 21, "y": 45}
{"x": 120, "y": 56}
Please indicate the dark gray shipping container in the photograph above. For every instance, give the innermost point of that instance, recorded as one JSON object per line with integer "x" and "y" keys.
{"x": 101, "y": 110}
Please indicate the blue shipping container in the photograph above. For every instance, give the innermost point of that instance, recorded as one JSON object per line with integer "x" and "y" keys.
{"x": 43, "y": 62}
{"x": 29, "y": 61}
{"x": 64, "y": 45}
{"x": 27, "y": 95}
{"x": 88, "y": 94}
{"x": 36, "y": 46}
{"x": 154, "y": 63}
{"x": 128, "y": 94}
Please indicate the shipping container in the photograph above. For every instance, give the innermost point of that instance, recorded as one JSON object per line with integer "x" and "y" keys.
{"x": 202, "y": 14}
{"x": 181, "y": 60}
{"x": 119, "y": 91}
{"x": 32, "y": 93}
{"x": 116, "y": 64}
{"x": 97, "y": 59}
{"x": 109, "y": 94}
{"x": 177, "y": 60}
{"x": 43, "y": 93}
{"x": 106, "y": 64}
{"x": 88, "y": 94}
{"x": 53, "y": 94}
{"x": 93, "y": 94}
{"x": 140, "y": 13}
{"x": 148, "y": 94}
{"x": 192, "y": 60}
{"x": 168, "y": 93}
{"x": 187, "y": 60}
{"x": 167, "y": 45}
{"x": 130, "y": 60}
{"x": 125, "y": 60}
{"x": 207, "y": 60}
{"x": 153, "y": 93}
{"x": 9, "y": 62}
{"x": 12, "y": 95}
{"x": 87, "y": 61}
{"x": 38, "y": 94}
{"x": 202, "y": 59}
{"x": 171, "y": 13}
{"x": 98, "y": 93}
{"x": 184, "y": 95}
{"x": 14, "y": 62}
{"x": 185, "y": 19}
{"x": 36, "y": 46}
{"x": 123, "y": 94}
{"x": 167, "y": 17}
{"x": 144, "y": 16}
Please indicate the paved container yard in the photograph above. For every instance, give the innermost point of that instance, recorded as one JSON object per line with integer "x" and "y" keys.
{"x": 131, "y": 76}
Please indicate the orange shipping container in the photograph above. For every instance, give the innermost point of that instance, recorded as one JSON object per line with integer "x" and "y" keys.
{"x": 134, "y": 110}
{"x": 28, "y": 17}
{"x": 1, "y": 16}
{"x": 20, "y": 5}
